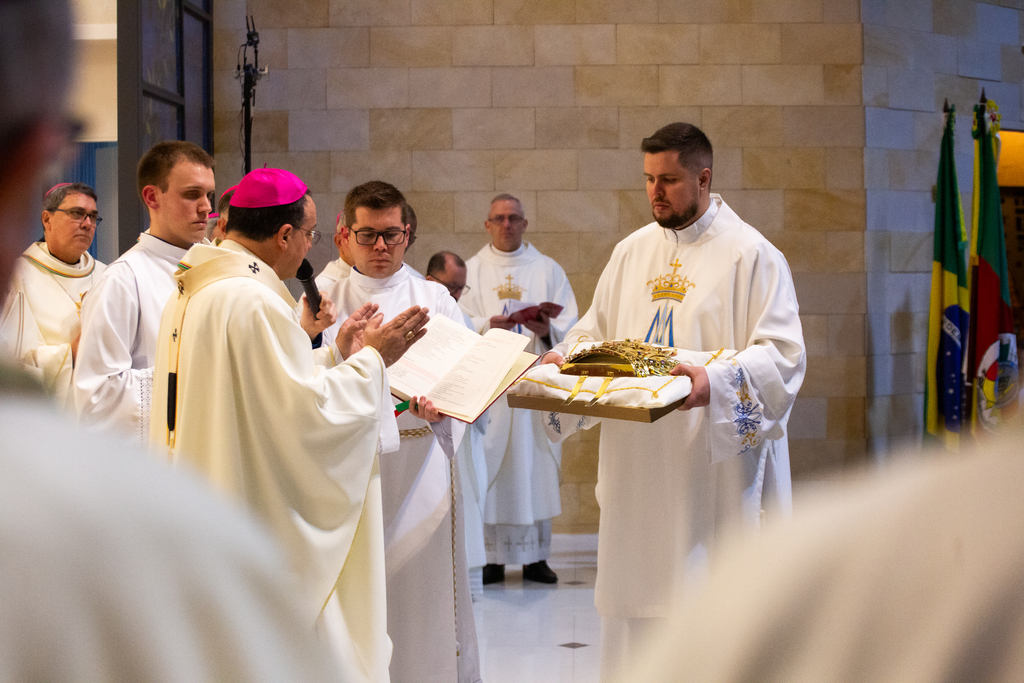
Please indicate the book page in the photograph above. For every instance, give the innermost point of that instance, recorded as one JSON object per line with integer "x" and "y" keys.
{"x": 464, "y": 389}
{"x": 427, "y": 361}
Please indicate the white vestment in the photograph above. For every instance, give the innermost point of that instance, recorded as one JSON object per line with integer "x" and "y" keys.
{"x": 666, "y": 489}
{"x": 913, "y": 575}
{"x": 115, "y": 568}
{"x": 332, "y": 272}
{"x": 285, "y": 431}
{"x": 417, "y": 494}
{"x": 522, "y": 465}
{"x": 42, "y": 314}
{"x": 113, "y": 378}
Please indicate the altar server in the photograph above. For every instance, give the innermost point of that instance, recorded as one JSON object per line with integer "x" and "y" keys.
{"x": 41, "y": 319}
{"x": 700, "y": 279}
{"x": 522, "y": 465}
{"x": 113, "y": 376}
{"x": 430, "y": 611}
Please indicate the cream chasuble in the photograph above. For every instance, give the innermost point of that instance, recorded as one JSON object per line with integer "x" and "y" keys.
{"x": 667, "y": 489}
{"x": 113, "y": 378}
{"x": 42, "y": 315}
{"x": 417, "y": 494}
{"x": 259, "y": 414}
{"x": 522, "y": 465}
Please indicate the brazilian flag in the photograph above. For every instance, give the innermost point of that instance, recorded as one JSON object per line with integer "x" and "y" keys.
{"x": 948, "y": 316}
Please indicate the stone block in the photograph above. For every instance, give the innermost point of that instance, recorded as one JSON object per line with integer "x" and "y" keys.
{"x": 805, "y": 252}
{"x": 889, "y": 128}
{"x": 845, "y": 252}
{"x": 492, "y": 45}
{"x": 743, "y": 126}
{"x": 616, "y": 11}
{"x": 887, "y": 47}
{"x": 899, "y": 417}
{"x": 846, "y": 417}
{"x": 435, "y": 212}
{"x": 912, "y": 169}
{"x": 793, "y": 84}
{"x": 616, "y": 85}
{"x": 812, "y": 460}
{"x": 367, "y": 88}
{"x": 958, "y": 19}
{"x": 542, "y": 86}
{"x": 328, "y": 129}
{"x": 825, "y": 210}
{"x": 976, "y": 59}
{"x": 764, "y": 209}
{"x": 451, "y": 12}
{"x": 497, "y": 128}
{"x": 728, "y": 173}
{"x": 782, "y": 167}
{"x": 634, "y": 211}
{"x": 876, "y": 170}
{"x": 699, "y": 85}
{"x": 312, "y": 167}
{"x": 908, "y": 292}
{"x": 349, "y": 169}
{"x": 563, "y": 247}
{"x": 583, "y": 286}
{"x": 740, "y": 44}
{"x": 637, "y": 123}
{"x": 721, "y": 12}
{"x": 361, "y": 13}
{"x": 915, "y": 15}
{"x": 610, "y": 169}
{"x": 831, "y": 293}
{"x": 912, "y": 90}
{"x": 292, "y": 89}
{"x": 570, "y": 45}
{"x": 815, "y": 329}
{"x": 577, "y": 127}
{"x": 843, "y": 84}
{"x": 301, "y": 13}
{"x": 452, "y": 171}
{"x": 840, "y": 11}
{"x": 876, "y": 86}
{"x": 535, "y": 170}
{"x": 786, "y": 11}
{"x": 935, "y": 52}
{"x": 471, "y": 210}
{"x": 679, "y": 11}
{"x": 461, "y": 86}
{"x": 998, "y": 24}
{"x": 657, "y": 44}
{"x": 909, "y": 331}
{"x": 1012, "y": 63}
{"x": 927, "y": 130}
{"x": 846, "y": 335}
{"x": 586, "y": 212}
{"x": 823, "y": 126}
{"x": 964, "y": 93}
{"x": 531, "y": 12}
{"x": 809, "y": 419}
{"x": 417, "y": 46}
{"x": 844, "y": 168}
{"x": 396, "y": 129}
{"x": 595, "y": 250}
{"x": 912, "y": 252}
{"x": 270, "y": 134}
{"x": 328, "y": 48}
{"x": 830, "y": 377}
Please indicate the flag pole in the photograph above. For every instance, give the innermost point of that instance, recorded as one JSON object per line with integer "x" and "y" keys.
{"x": 969, "y": 397}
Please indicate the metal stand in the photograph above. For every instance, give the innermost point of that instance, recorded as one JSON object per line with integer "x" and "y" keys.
{"x": 249, "y": 74}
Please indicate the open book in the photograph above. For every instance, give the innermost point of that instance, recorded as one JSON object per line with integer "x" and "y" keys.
{"x": 521, "y": 313}
{"x": 460, "y": 371}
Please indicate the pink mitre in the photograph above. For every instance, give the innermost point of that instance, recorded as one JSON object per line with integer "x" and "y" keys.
{"x": 268, "y": 187}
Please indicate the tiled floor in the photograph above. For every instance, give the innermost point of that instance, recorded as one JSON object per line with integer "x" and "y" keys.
{"x": 543, "y": 634}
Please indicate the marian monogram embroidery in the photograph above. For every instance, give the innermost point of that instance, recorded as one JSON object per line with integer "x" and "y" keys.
{"x": 669, "y": 288}
{"x": 748, "y": 415}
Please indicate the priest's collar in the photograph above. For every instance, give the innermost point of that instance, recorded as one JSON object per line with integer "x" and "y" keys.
{"x": 162, "y": 247}
{"x": 693, "y": 231}
{"x": 367, "y": 282}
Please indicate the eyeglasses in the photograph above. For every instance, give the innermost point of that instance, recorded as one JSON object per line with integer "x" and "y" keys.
{"x": 79, "y": 215}
{"x": 392, "y": 236}
{"x": 453, "y": 289}
{"x": 512, "y": 218}
{"x": 314, "y": 236}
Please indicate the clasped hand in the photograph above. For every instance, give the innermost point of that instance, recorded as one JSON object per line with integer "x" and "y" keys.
{"x": 366, "y": 327}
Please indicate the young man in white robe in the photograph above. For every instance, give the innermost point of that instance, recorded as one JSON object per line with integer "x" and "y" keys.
{"x": 701, "y": 279}
{"x": 113, "y": 375}
{"x": 113, "y": 568}
{"x": 41, "y": 319}
{"x": 291, "y": 433}
{"x": 522, "y": 465}
{"x": 430, "y": 611}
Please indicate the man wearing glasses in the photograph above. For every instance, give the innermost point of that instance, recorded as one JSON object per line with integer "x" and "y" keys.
{"x": 41, "y": 320}
{"x": 415, "y": 481}
{"x": 522, "y": 465}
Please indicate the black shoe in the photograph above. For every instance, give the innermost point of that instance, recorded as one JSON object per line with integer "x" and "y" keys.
{"x": 539, "y": 572}
{"x": 494, "y": 573}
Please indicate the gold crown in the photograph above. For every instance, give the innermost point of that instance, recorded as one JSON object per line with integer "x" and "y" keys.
{"x": 510, "y": 291}
{"x": 670, "y": 286}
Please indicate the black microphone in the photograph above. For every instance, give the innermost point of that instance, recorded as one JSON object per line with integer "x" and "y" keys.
{"x": 305, "y": 277}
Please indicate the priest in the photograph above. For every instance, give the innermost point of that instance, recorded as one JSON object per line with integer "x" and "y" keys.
{"x": 291, "y": 433}
{"x": 113, "y": 375}
{"x": 701, "y": 279}
{"x": 430, "y": 611}
{"x": 41, "y": 319}
{"x": 522, "y": 465}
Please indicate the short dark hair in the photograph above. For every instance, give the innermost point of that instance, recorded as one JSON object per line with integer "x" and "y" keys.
{"x": 375, "y": 195}
{"x": 260, "y": 224}
{"x": 688, "y": 140}
{"x": 156, "y": 164}
{"x": 225, "y": 201}
{"x": 438, "y": 263}
{"x": 54, "y": 199}
{"x": 408, "y": 215}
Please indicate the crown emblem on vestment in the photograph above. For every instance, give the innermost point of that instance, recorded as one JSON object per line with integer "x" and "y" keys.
{"x": 670, "y": 286}
{"x": 509, "y": 290}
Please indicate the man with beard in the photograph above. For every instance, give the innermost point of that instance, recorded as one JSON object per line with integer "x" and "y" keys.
{"x": 701, "y": 279}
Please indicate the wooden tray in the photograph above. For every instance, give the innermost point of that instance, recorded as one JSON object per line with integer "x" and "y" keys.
{"x": 578, "y": 407}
